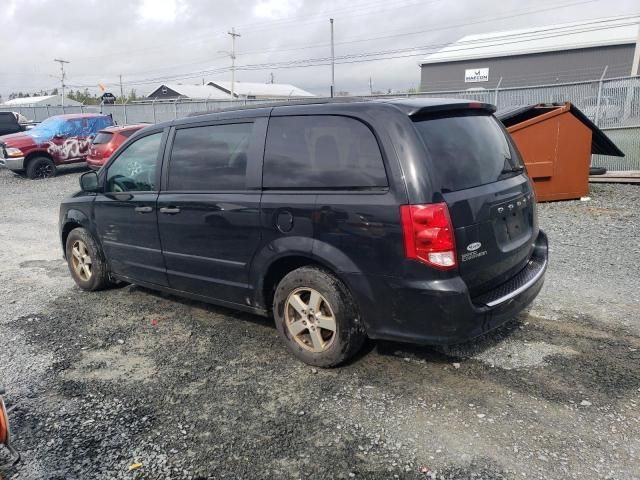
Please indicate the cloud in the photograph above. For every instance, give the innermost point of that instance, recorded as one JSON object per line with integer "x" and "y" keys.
{"x": 165, "y": 11}
{"x": 276, "y": 9}
{"x": 156, "y": 39}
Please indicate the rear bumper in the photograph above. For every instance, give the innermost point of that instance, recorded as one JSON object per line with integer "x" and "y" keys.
{"x": 16, "y": 163}
{"x": 95, "y": 164}
{"x": 441, "y": 312}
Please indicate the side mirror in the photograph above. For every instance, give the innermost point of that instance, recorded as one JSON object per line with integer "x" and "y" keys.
{"x": 89, "y": 182}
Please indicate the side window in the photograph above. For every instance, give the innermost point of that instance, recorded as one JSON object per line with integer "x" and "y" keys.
{"x": 71, "y": 128}
{"x": 321, "y": 151}
{"x": 210, "y": 158}
{"x": 135, "y": 168}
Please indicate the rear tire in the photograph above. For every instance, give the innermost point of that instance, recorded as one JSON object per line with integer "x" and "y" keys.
{"x": 597, "y": 170}
{"x": 86, "y": 262}
{"x": 41, "y": 167}
{"x": 317, "y": 318}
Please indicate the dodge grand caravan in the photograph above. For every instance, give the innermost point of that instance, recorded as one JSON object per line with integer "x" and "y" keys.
{"x": 407, "y": 220}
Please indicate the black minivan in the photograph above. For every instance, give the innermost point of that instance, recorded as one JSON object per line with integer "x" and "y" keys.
{"x": 410, "y": 220}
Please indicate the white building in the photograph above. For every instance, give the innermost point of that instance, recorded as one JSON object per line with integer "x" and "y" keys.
{"x": 252, "y": 90}
{"x": 41, "y": 101}
{"x": 221, "y": 90}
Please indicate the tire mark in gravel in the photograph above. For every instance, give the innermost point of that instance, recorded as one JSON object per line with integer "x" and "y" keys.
{"x": 226, "y": 400}
{"x": 217, "y": 398}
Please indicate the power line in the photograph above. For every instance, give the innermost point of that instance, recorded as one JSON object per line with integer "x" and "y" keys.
{"x": 358, "y": 58}
{"x": 392, "y": 54}
{"x": 433, "y": 29}
{"x": 272, "y": 24}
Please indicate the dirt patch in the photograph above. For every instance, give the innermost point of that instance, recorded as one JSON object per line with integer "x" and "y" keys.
{"x": 53, "y": 268}
{"x": 551, "y": 395}
{"x": 115, "y": 365}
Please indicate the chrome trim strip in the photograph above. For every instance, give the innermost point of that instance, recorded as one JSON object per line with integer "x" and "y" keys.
{"x": 521, "y": 289}
{"x": 205, "y": 259}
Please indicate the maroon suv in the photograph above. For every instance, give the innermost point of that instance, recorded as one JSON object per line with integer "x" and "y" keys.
{"x": 107, "y": 141}
{"x": 58, "y": 140}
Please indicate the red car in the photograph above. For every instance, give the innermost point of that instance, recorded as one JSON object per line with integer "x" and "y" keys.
{"x": 58, "y": 140}
{"x": 107, "y": 141}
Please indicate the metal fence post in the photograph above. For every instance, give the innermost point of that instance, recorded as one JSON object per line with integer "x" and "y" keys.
{"x": 495, "y": 96}
{"x": 153, "y": 106}
{"x": 604, "y": 72}
{"x": 175, "y": 108}
{"x": 124, "y": 105}
{"x": 47, "y": 112}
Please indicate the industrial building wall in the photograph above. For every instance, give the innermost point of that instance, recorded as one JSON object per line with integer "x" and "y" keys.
{"x": 532, "y": 69}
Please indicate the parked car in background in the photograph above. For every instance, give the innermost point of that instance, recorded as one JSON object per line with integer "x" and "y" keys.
{"x": 9, "y": 123}
{"x": 408, "y": 220}
{"x": 107, "y": 141}
{"x": 58, "y": 140}
{"x": 610, "y": 111}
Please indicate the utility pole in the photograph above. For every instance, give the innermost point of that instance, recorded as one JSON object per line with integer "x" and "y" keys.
{"x": 271, "y": 77}
{"x": 333, "y": 83}
{"x": 62, "y": 75}
{"x": 233, "y": 58}
{"x": 635, "y": 68}
{"x": 121, "y": 90}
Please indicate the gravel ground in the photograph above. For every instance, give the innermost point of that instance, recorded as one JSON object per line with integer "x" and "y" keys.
{"x": 102, "y": 381}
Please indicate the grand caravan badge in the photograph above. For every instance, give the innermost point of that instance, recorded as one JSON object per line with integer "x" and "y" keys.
{"x": 473, "y": 252}
{"x": 472, "y": 247}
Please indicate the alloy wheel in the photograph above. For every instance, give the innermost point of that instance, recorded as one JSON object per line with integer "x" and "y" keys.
{"x": 44, "y": 171}
{"x": 81, "y": 260}
{"x": 310, "y": 319}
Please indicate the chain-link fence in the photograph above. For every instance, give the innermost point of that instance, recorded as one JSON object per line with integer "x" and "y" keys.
{"x": 613, "y": 104}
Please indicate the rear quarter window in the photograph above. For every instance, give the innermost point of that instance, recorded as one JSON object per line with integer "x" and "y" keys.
{"x": 321, "y": 152}
{"x": 467, "y": 150}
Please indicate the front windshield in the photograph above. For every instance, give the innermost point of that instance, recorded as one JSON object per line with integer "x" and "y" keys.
{"x": 70, "y": 127}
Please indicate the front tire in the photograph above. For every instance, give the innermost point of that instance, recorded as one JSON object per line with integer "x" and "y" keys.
{"x": 41, "y": 167}
{"x": 86, "y": 263}
{"x": 317, "y": 318}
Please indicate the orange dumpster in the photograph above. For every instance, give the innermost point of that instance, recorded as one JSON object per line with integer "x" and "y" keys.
{"x": 556, "y": 142}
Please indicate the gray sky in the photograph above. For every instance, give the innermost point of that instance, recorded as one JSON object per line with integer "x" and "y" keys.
{"x": 156, "y": 39}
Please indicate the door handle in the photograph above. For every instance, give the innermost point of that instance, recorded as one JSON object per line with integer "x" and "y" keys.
{"x": 170, "y": 210}
{"x": 144, "y": 209}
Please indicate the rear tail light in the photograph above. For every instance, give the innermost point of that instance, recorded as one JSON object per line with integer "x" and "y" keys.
{"x": 428, "y": 235}
{"x": 109, "y": 150}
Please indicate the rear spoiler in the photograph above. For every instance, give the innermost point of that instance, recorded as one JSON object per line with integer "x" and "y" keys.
{"x": 415, "y": 107}
{"x": 452, "y": 107}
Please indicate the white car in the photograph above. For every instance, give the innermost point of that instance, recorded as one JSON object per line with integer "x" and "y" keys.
{"x": 610, "y": 112}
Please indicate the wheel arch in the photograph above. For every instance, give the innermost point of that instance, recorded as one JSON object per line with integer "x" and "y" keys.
{"x": 73, "y": 219}
{"x": 322, "y": 255}
{"x": 276, "y": 271}
{"x": 35, "y": 154}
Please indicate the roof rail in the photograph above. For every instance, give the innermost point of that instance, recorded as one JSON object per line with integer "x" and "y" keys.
{"x": 316, "y": 101}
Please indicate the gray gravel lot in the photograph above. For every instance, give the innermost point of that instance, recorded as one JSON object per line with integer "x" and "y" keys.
{"x": 101, "y": 381}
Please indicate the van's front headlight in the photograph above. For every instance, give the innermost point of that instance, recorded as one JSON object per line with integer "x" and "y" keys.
{"x": 14, "y": 152}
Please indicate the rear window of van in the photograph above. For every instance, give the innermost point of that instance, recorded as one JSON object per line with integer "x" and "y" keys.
{"x": 467, "y": 150}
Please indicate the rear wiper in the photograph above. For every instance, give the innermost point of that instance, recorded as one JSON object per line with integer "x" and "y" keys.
{"x": 513, "y": 170}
